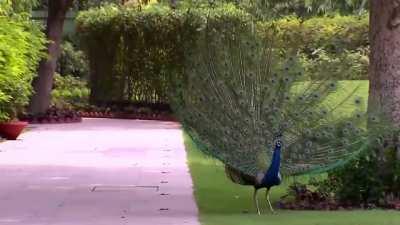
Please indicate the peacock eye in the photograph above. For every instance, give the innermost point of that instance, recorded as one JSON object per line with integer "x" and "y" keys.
{"x": 332, "y": 85}
{"x": 286, "y": 79}
{"x": 357, "y": 101}
{"x": 315, "y": 95}
{"x": 345, "y": 142}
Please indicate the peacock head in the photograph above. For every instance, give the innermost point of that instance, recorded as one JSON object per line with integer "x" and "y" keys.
{"x": 278, "y": 141}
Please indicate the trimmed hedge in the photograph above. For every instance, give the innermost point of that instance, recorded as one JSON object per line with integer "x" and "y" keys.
{"x": 333, "y": 34}
{"x": 132, "y": 52}
{"x": 21, "y": 45}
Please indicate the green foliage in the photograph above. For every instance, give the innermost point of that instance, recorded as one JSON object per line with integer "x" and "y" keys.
{"x": 337, "y": 45}
{"x": 141, "y": 48}
{"x": 305, "y": 8}
{"x": 21, "y": 45}
{"x": 347, "y": 65}
{"x": 10, "y": 7}
{"x": 373, "y": 178}
{"x": 333, "y": 34}
{"x": 69, "y": 92}
{"x": 72, "y": 61}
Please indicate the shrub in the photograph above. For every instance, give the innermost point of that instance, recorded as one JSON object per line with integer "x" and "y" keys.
{"x": 69, "y": 92}
{"x": 140, "y": 48}
{"x": 372, "y": 179}
{"x": 333, "y": 34}
{"x": 72, "y": 61}
{"x": 21, "y": 45}
{"x": 347, "y": 65}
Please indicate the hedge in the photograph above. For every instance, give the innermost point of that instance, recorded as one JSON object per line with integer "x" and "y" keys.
{"x": 132, "y": 52}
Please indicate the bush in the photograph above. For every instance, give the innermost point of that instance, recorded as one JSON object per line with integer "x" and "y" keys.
{"x": 69, "y": 92}
{"x": 337, "y": 44}
{"x": 72, "y": 61}
{"x": 333, "y": 34}
{"x": 21, "y": 45}
{"x": 140, "y": 48}
{"x": 347, "y": 65}
{"x": 368, "y": 180}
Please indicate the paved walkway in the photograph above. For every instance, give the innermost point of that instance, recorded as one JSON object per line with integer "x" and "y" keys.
{"x": 99, "y": 172}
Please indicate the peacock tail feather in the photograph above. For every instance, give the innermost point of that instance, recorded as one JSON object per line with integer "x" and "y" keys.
{"x": 239, "y": 93}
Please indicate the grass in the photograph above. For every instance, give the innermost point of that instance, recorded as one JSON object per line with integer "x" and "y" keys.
{"x": 221, "y": 202}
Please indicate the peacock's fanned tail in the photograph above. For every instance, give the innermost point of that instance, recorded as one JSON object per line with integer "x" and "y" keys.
{"x": 239, "y": 93}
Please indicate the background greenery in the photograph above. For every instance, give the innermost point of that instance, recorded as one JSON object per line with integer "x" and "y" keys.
{"x": 142, "y": 47}
{"x": 21, "y": 48}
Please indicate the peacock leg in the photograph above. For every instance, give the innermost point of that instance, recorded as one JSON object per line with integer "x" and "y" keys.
{"x": 269, "y": 202}
{"x": 256, "y": 200}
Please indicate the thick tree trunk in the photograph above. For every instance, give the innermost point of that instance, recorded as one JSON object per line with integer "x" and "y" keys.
{"x": 40, "y": 102}
{"x": 384, "y": 93}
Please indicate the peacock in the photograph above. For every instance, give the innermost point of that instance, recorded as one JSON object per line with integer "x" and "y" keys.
{"x": 253, "y": 107}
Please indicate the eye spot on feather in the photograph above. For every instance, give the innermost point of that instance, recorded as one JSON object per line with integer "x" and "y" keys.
{"x": 358, "y": 101}
{"x": 374, "y": 119}
{"x": 286, "y": 80}
{"x": 332, "y": 85}
{"x": 316, "y": 96}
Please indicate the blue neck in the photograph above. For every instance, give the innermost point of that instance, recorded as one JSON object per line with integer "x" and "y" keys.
{"x": 273, "y": 169}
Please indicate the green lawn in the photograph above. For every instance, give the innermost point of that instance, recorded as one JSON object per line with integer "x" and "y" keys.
{"x": 223, "y": 203}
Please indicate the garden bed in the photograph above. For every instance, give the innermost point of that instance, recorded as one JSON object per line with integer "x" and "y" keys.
{"x": 132, "y": 116}
{"x": 53, "y": 116}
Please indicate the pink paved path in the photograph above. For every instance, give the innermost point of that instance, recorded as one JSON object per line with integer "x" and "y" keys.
{"x": 99, "y": 172}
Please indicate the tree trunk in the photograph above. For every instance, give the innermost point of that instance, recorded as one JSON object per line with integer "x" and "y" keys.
{"x": 384, "y": 77}
{"x": 43, "y": 84}
{"x": 384, "y": 93}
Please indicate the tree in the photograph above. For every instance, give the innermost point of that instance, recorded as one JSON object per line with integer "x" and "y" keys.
{"x": 57, "y": 9}
{"x": 384, "y": 93}
{"x": 43, "y": 83}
